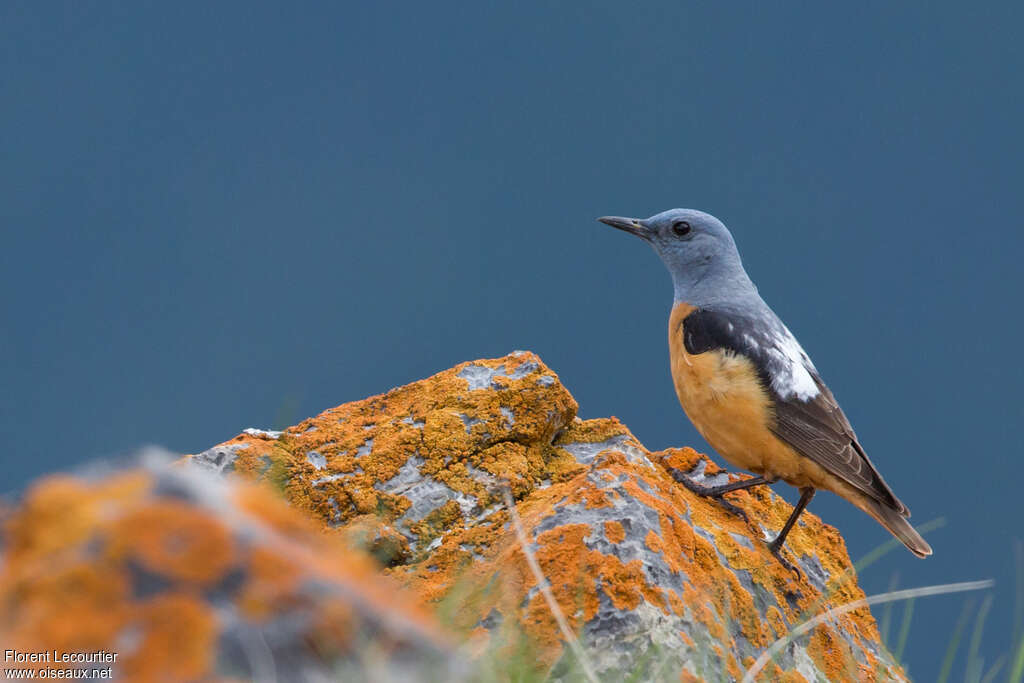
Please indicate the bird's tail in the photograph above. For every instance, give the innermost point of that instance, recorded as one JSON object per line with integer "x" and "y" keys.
{"x": 898, "y": 526}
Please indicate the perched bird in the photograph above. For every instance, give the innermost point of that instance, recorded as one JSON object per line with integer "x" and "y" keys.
{"x": 748, "y": 386}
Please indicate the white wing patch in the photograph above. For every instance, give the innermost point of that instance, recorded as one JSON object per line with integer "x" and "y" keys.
{"x": 758, "y": 334}
{"x": 793, "y": 368}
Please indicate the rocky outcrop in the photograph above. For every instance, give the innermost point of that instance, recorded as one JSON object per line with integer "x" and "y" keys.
{"x": 163, "y": 574}
{"x": 656, "y": 583}
{"x": 652, "y": 578}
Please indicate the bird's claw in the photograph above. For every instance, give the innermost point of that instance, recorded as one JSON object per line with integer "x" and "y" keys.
{"x": 729, "y": 507}
{"x": 777, "y": 552}
{"x": 707, "y": 492}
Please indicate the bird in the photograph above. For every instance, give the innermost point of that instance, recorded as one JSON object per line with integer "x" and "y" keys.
{"x": 748, "y": 386}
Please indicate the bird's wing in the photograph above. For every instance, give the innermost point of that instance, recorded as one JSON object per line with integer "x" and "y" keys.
{"x": 807, "y": 416}
{"x": 818, "y": 429}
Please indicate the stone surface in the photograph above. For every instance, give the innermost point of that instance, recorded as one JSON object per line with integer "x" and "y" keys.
{"x": 394, "y": 556}
{"x": 190, "y": 577}
{"x": 656, "y": 582}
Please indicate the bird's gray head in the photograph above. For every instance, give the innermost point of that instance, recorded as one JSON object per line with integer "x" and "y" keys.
{"x": 699, "y": 253}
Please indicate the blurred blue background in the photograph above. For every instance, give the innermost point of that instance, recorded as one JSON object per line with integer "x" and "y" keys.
{"x": 232, "y": 215}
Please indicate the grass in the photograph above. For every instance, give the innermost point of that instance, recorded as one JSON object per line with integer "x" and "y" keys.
{"x": 545, "y": 589}
{"x": 509, "y": 654}
{"x": 807, "y": 626}
{"x": 974, "y": 671}
{"x": 514, "y": 658}
{"x": 954, "y": 643}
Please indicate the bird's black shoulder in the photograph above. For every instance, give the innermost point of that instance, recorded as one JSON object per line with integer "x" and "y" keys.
{"x": 711, "y": 330}
{"x": 706, "y": 330}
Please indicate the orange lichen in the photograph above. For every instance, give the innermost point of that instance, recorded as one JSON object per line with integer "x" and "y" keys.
{"x": 177, "y": 643}
{"x": 336, "y": 462}
{"x": 614, "y": 532}
{"x": 271, "y": 584}
{"x": 117, "y": 565}
{"x": 371, "y": 534}
{"x": 773, "y": 617}
{"x": 437, "y": 522}
{"x": 171, "y": 538}
{"x": 467, "y": 433}
{"x": 831, "y": 654}
{"x": 71, "y": 604}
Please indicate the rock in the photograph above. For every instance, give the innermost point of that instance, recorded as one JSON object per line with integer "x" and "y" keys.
{"x": 656, "y": 582}
{"x": 398, "y": 557}
{"x": 186, "y": 576}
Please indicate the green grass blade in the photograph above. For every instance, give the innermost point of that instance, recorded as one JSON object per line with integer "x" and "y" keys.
{"x": 994, "y": 671}
{"x": 887, "y": 614}
{"x": 1018, "y": 612}
{"x": 775, "y": 648}
{"x": 954, "y": 642}
{"x": 582, "y": 660}
{"x": 1017, "y": 669}
{"x": 1017, "y": 672}
{"x": 908, "y": 613}
{"x": 974, "y": 664}
{"x": 860, "y": 565}
{"x": 640, "y": 665}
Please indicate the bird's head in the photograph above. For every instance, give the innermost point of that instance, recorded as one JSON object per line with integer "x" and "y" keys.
{"x": 697, "y": 249}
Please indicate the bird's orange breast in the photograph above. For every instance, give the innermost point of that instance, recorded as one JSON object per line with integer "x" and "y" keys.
{"x": 727, "y": 403}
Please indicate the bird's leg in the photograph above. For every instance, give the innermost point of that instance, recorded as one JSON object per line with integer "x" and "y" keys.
{"x": 717, "y": 492}
{"x": 776, "y": 546}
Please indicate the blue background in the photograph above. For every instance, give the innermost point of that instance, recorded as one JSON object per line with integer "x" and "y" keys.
{"x": 216, "y": 217}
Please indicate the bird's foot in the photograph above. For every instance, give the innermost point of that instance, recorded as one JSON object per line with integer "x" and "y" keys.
{"x": 716, "y": 492}
{"x": 776, "y": 550}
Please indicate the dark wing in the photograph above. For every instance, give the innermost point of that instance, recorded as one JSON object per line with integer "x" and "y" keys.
{"x": 807, "y": 416}
{"x": 818, "y": 429}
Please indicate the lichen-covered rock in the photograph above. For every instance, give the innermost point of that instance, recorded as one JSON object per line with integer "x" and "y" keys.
{"x": 189, "y": 577}
{"x": 656, "y": 582}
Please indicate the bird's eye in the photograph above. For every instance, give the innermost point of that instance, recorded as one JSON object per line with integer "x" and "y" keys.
{"x": 681, "y": 228}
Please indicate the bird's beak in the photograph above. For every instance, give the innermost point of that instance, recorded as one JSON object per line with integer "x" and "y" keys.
{"x": 634, "y": 226}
